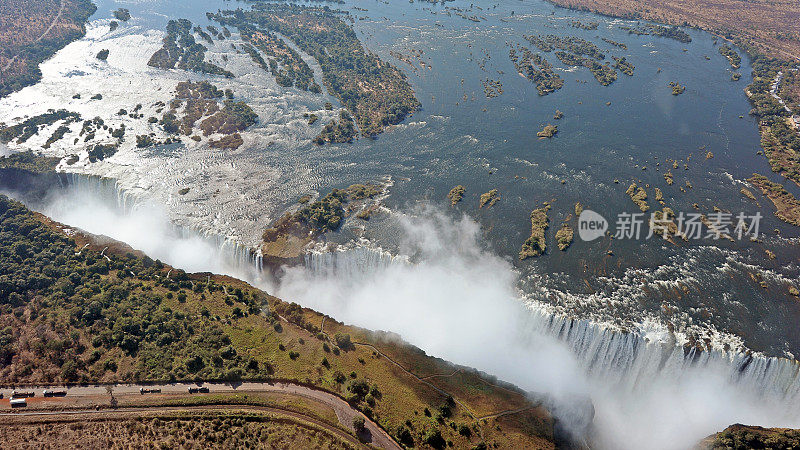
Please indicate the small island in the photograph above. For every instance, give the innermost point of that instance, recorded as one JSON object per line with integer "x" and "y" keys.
{"x": 564, "y": 237}
{"x": 548, "y": 131}
{"x": 456, "y": 194}
{"x": 638, "y": 196}
{"x": 787, "y": 207}
{"x": 535, "y": 245}
{"x": 677, "y": 89}
{"x": 489, "y": 199}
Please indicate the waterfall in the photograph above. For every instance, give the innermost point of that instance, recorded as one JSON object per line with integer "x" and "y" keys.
{"x": 628, "y": 361}
{"x": 351, "y": 262}
{"x": 238, "y": 259}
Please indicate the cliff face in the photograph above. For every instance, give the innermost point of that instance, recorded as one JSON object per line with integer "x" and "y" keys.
{"x": 743, "y": 437}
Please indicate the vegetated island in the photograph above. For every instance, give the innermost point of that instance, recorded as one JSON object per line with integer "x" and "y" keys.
{"x": 29, "y": 162}
{"x": 535, "y": 245}
{"x": 283, "y": 62}
{"x": 92, "y": 310}
{"x": 787, "y": 207}
{"x": 535, "y": 68}
{"x": 204, "y": 105}
{"x": 731, "y": 55}
{"x": 489, "y": 198}
{"x": 285, "y": 241}
{"x": 576, "y": 52}
{"x": 548, "y": 131}
{"x": 181, "y": 51}
{"x": 615, "y": 43}
{"x": 375, "y": 92}
{"x": 564, "y": 236}
{"x": 659, "y": 30}
{"x": 33, "y": 31}
{"x": 122, "y": 14}
{"x": 456, "y": 194}
{"x": 677, "y": 88}
{"x": 584, "y": 25}
{"x": 638, "y": 196}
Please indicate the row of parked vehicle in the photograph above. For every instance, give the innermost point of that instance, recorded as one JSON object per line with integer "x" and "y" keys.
{"x": 18, "y": 398}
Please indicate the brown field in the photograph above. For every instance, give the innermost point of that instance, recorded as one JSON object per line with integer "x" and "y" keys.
{"x": 769, "y": 26}
{"x": 200, "y": 430}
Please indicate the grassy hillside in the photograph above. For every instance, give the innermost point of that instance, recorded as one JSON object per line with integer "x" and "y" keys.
{"x": 73, "y": 313}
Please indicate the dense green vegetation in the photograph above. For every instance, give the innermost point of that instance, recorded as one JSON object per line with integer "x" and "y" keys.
{"x": 284, "y": 63}
{"x": 535, "y": 245}
{"x": 102, "y": 313}
{"x": 584, "y": 25}
{"x": 787, "y": 207}
{"x": 122, "y": 14}
{"x": 375, "y": 92}
{"x": 741, "y": 437}
{"x": 535, "y": 68}
{"x": 456, "y": 194}
{"x": 23, "y": 43}
{"x": 337, "y": 132}
{"x": 733, "y": 58}
{"x": 28, "y": 161}
{"x": 677, "y": 88}
{"x": 623, "y": 65}
{"x": 781, "y": 143}
{"x": 181, "y": 51}
{"x": 572, "y": 44}
{"x": 90, "y": 310}
{"x": 203, "y": 102}
{"x": 603, "y": 73}
{"x": 99, "y": 152}
{"x": 29, "y": 127}
{"x": 659, "y": 30}
{"x": 615, "y": 43}
{"x": 327, "y": 213}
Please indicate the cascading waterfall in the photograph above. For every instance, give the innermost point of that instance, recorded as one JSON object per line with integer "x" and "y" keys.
{"x": 349, "y": 262}
{"x": 631, "y": 360}
{"x": 627, "y": 360}
{"x": 241, "y": 259}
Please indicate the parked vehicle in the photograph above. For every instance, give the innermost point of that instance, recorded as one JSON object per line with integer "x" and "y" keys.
{"x": 149, "y": 391}
{"x": 49, "y": 393}
{"x": 201, "y": 390}
{"x": 18, "y": 403}
{"x": 22, "y": 394}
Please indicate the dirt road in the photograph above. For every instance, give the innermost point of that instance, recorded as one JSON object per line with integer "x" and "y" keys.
{"x": 344, "y": 412}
